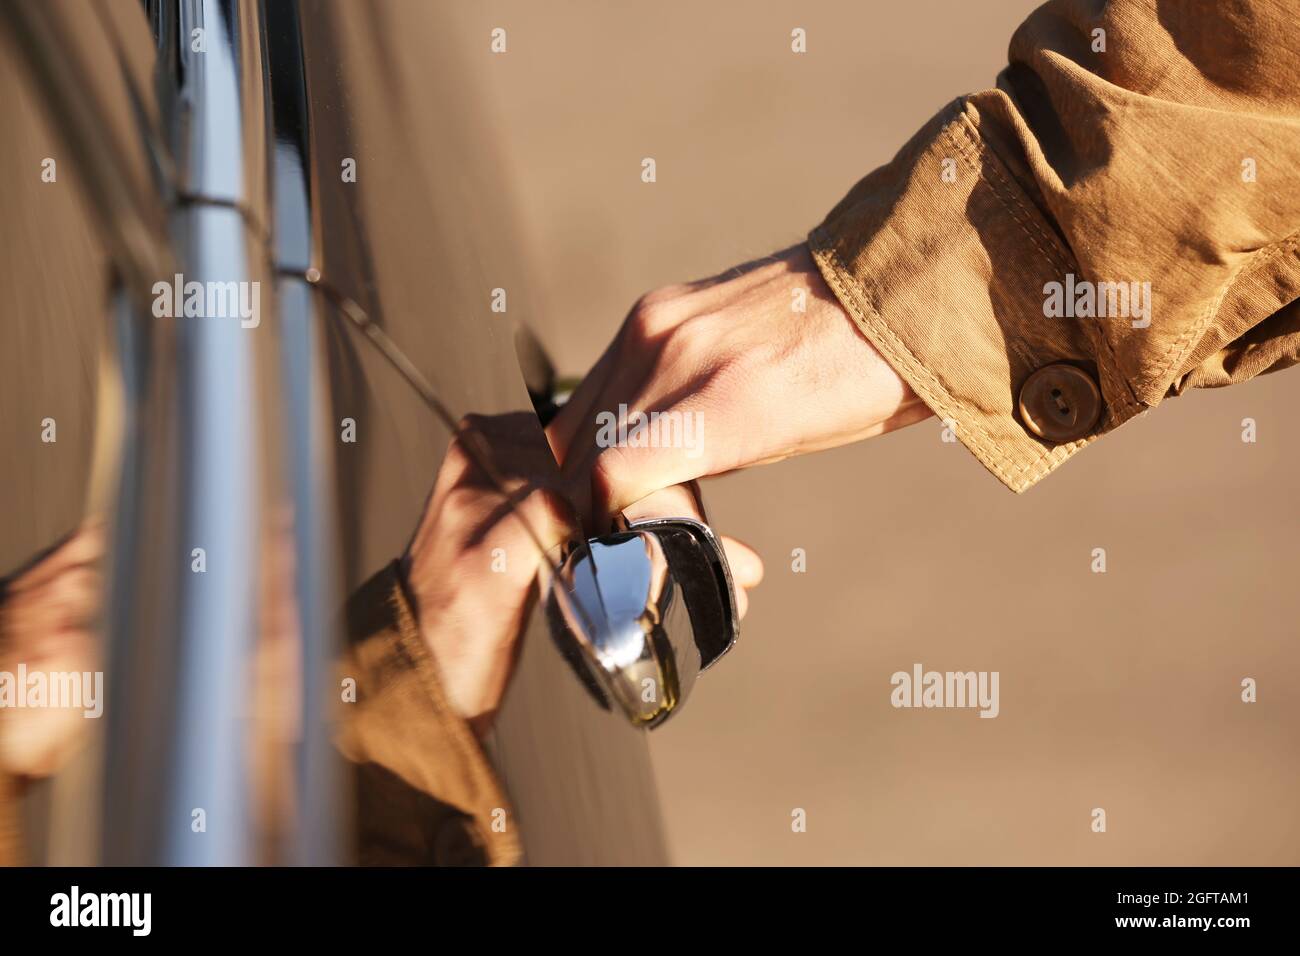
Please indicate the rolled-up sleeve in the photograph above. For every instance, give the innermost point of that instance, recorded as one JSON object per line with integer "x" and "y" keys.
{"x": 1123, "y": 204}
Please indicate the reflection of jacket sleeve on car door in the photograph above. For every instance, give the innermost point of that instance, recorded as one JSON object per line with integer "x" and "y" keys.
{"x": 424, "y": 790}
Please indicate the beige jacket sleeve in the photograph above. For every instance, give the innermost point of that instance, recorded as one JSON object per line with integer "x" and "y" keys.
{"x": 1125, "y": 202}
{"x": 424, "y": 790}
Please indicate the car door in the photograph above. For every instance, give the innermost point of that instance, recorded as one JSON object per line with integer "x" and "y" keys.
{"x": 279, "y": 140}
{"x": 424, "y": 236}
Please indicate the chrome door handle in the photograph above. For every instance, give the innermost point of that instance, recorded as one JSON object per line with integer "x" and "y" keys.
{"x": 640, "y": 613}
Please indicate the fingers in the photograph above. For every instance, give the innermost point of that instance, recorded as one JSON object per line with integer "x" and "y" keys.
{"x": 520, "y": 498}
{"x": 746, "y": 565}
{"x": 550, "y": 517}
{"x": 680, "y": 501}
{"x": 647, "y": 427}
{"x": 475, "y": 555}
{"x": 742, "y": 602}
{"x": 584, "y": 422}
{"x": 676, "y": 501}
{"x": 620, "y": 472}
{"x": 623, "y": 369}
{"x": 630, "y": 376}
{"x": 746, "y": 571}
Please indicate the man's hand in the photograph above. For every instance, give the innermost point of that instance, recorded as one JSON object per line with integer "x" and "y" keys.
{"x": 763, "y": 380}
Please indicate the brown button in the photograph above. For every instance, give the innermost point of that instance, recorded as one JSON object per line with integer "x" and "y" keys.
{"x": 1060, "y": 403}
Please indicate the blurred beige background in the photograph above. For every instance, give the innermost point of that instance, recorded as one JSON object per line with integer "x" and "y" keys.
{"x": 1118, "y": 690}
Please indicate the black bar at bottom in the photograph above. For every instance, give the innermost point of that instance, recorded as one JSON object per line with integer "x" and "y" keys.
{"x": 469, "y": 907}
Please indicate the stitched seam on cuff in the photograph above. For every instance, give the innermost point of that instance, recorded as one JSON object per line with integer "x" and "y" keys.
{"x": 1058, "y": 256}
{"x": 851, "y": 294}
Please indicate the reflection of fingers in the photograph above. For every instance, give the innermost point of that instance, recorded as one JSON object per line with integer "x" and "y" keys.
{"x": 746, "y": 565}
{"x": 517, "y": 535}
{"x": 550, "y": 517}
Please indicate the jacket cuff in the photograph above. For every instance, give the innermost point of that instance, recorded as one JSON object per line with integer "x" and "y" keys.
{"x": 942, "y": 258}
{"x": 425, "y": 790}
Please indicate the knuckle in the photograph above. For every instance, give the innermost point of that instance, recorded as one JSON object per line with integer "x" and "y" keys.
{"x": 659, "y": 297}
{"x": 686, "y": 340}
{"x": 463, "y": 504}
{"x": 655, "y": 313}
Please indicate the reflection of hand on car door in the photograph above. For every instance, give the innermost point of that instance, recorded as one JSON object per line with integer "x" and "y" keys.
{"x": 433, "y": 639}
{"x": 47, "y": 617}
{"x": 471, "y": 565}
